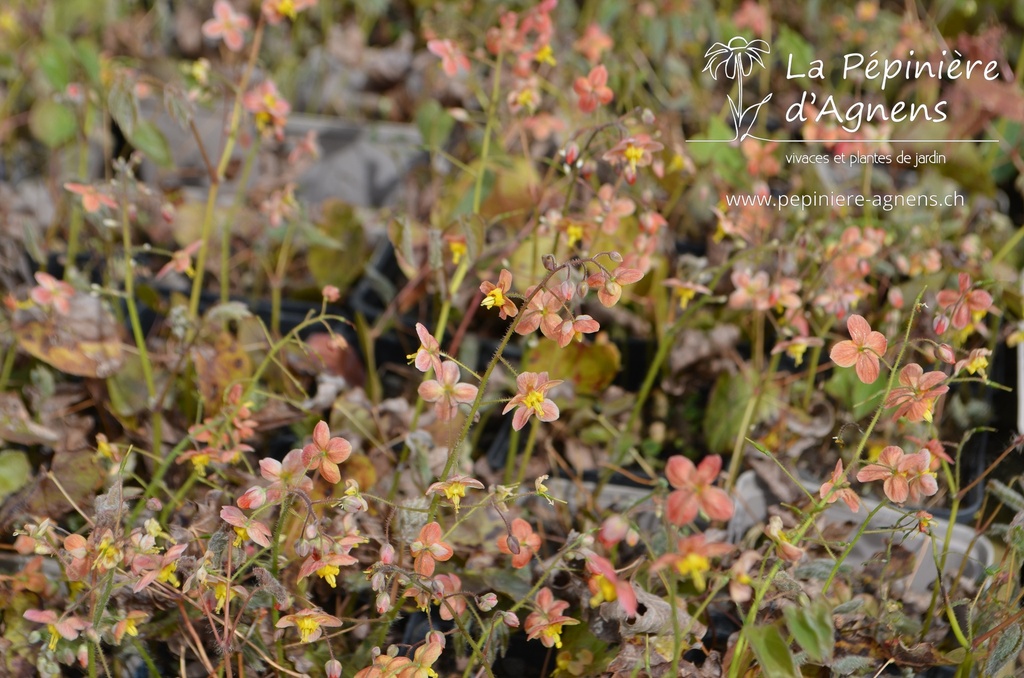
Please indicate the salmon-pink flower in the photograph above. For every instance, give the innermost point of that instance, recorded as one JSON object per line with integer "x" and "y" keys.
{"x": 593, "y": 90}
{"x": 976, "y": 362}
{"x": 784, "y": 548}
{"x": 837, "y": 488}
{"x": 906, "y": 476}
{"x": 915, "y": 397}
{"x": 92, "y": 199}
{"x": 446, "y": 392}
{"x": 568, "y": 330}
{"x": 863, "y": 349}
{"x": 543, "y": 311}
{"x": 228, "y": 25}
{"x": 245, "y": 527}
{"x": 158, "y": 568}
{"x": 429, "y": 353}
{"x": 605, "y": 585}
{"x": 741, "y": 588}
{"x": 687, "y": 290}
{"x": 965, "y": 302}
{"x": 268, "y": 107}
{"x": 181, "y": 260}
{"x": 428, "y": 548}
{"x": 452, "y": 58}
{"x": 52, "y": 292}
{"x": 253, "y": 498}
{"x": 286, "y": 476}
{"x": 450, "y": 601}
{"x": 532, "y": 399}
{"x": 609, "y": 288}
{"x": 593, "y": 43}
{"x": 547, "y": 620}
{"x": 327, "y": 566}
{"x": 309, "y": 623}
{"x": 326, "y": 453}
{"x": 525, "y": 538}
{"x": 59, "y": 627}
{"x": 692, "y": 558}
{"x": 277, "y": 11}
{"x": 695, "y": 490}
{"x": 633, "y": 152}
{"x": 497, "y": 295}
{"x": 455, "y": 488}
{"x": 307, "y": 147}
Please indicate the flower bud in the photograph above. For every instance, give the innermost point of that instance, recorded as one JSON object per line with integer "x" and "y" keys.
{"x": 946, "y": 354}
{"x": 383, "y": 602}
{"x": 378, "y": 581}
{"x": 647, "y": 117}
{"x": 312, "y": 530}
{"x": 513, "y": 544}
{"x": 571, "y": 153}
{"x": 387, "y": 554}
{"x": 940, "y": 324}
{"x": 486, "y": 602}
{"x": 548, "y": 260}
{"x": 333, "y": 669}
{"x": 582, "y": 289}
{"x": 510, "y": 619}
{"x": 615, "y": 256}
{"x": 253, "y": 498}
{"x": 437, "y": 638}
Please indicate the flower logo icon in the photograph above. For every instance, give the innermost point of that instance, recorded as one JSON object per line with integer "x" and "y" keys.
{"x": 736, "y": 60}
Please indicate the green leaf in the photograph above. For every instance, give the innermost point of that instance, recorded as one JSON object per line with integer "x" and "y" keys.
{"x": 1007, "y": 647}
{"x": 727, "y": 406}
{"x": 52, "y": 123}
{"x": 123, "y": 105}
{"x": 435, "y": 124}
{"x": 148, "y": 138}
{"x": 54, "y": 58}
{"x": 15, "y": 471}
{"x": 853, "y": 395}
{"x": 813, "y": 629}
{"x": 772, "y": 653}
{"x": 89, "y": 58}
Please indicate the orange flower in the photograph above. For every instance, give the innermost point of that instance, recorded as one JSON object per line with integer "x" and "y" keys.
{"x": 92, "y": 199}
{"x": 452, "y": 58}
{"x": 965, "y": 302}
{"x": 52, "y": 292}
{"x": 527, "y": 540}
{"x": 606, "y": 586}
{"x": 429, "y": 353}
{"x": 429, "y": 548}
{"x": 593, "y": 43}
{"x": 227, "y": 24}
{"x": 593, "y": 90}
{"x": 496, "y": 295}
{"x": 455, "y": 488}
{"x": 692, "y": 558}
{"x": 309, "y": 623}
{"x": 326, "y": 453}
{"x": 277, "y": 11}
{"x": 609, "y": 287}
{"x": 842, "y": 490}
{"x": 532, "y": 399}
{"x": 446, "y": 392}
{"x": 695, "y": 490}
{"x": 906, "y": 476}
{"x": 547, "y": 621}
{"x": 915, "y": 398}
{"x": 863, "y": 349}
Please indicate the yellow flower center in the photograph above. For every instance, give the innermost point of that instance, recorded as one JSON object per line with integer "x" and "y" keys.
{"x": 330, "y": 574}
{"x": 575, "y": 233}
{"x": 929, "y": 404}
{"x": 545, "y": 55}
{"x": 534, "y": 400}
{"x": 107, "y": 555}
{"x": 633, "y": 155}
{"x": 686, "y": 295}
{"x": 978, "y": 364}
{"x": 796, "y": 352}
{"x": 54, "y": 636}
{"x": 200, "y": 462}
{"x": 220, "y": 591}
{"x": 605, "y": 591}
{"x": 286, "y": 8}
{"x": 240, "y": 535}
{"x": 526, "y": 99}
{"x": 307, "y": 627}
{"x": 130, "y": 628}
{"x": 167, "y": 573}
{"x": 458, "y": 250}
{"x": 694, "y": 565}
{"x": 554, "y": 632}
{"x": 455, "y": 492}
{"x": 494, "y": 298}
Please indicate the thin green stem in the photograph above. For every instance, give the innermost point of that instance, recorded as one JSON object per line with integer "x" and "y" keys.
{"x": 531, "y": 442}
{"x": 851, "y": 545}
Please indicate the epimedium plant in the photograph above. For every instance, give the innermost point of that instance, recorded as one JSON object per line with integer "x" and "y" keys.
{"x": 193, "y": 544}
